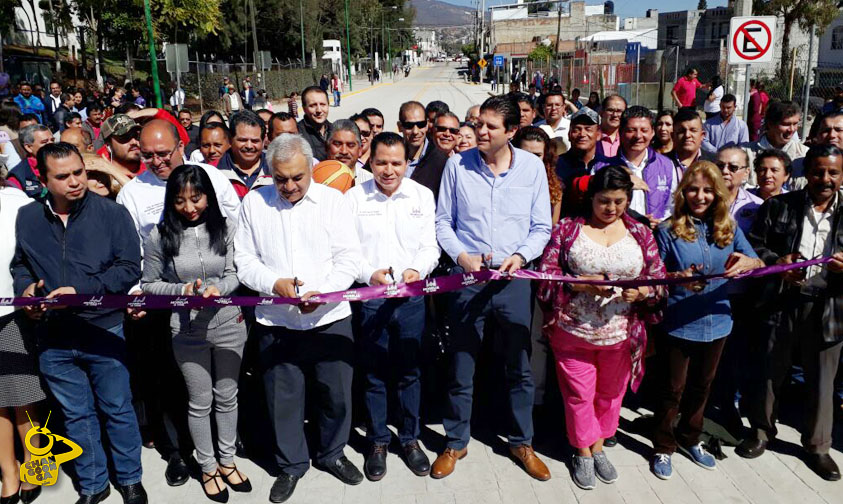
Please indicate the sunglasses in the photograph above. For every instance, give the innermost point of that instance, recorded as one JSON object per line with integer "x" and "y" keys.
{"x": 365, "y": 133}
{"x": 443, "y": 129}
{"x": 408, "y": 125}
{"x": 729, "y": 166}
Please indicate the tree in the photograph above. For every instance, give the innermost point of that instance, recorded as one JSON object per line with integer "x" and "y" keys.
{"x": 807, "y": 14}
{"x": 702, "y": 5}
{"x": 541, "y": 53}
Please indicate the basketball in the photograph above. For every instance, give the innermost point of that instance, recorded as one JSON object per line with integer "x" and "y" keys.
{"x": 334, "y": 174}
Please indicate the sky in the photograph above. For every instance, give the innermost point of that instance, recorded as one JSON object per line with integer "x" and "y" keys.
{"x": 623, "y": 8}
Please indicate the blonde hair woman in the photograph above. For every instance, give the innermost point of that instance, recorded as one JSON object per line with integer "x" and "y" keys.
{"x": 701, "y": 237}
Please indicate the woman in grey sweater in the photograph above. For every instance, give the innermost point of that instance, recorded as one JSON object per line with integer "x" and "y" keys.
{"x": 191, "y": 253}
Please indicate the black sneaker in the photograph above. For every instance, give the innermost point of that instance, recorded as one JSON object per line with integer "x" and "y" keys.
{"x": 345, "y": 471}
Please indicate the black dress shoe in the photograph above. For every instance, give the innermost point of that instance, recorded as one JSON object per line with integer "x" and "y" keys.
{"x": 345, "y": 471}
{"x": 177, "y": 472}
{"x": 27, "y": 496}
{"x": 96, "y": 498}
{"x": 610, "y": 441}
{"x": 416, "y": 459}
{"x": 375, "y": 466}
{"x": 133, "y": 494}
{"x": 824, "y": 466}
{"x": 751, "y": 448}
{"x": 283, "y": 487}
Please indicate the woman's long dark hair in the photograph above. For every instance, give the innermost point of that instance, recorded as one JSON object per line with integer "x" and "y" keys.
{"x": 173, "y": 224}
{"x": 716, "y": 82}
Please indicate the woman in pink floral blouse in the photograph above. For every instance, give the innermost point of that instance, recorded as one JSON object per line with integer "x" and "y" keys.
{"x": 598, "y": 333}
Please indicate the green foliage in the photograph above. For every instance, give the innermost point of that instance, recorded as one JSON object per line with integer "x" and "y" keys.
{"x": 804, "y": 13}
{"x": 541, "y": 53}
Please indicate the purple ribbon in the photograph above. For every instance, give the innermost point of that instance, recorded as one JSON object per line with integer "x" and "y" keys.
{"x": 435, "y": 285}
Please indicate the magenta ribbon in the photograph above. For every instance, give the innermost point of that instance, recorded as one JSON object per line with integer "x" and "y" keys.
{"x": 433, "y": 285}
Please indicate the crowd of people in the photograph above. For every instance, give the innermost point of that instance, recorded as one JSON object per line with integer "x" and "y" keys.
{"x": 144, "y": 202}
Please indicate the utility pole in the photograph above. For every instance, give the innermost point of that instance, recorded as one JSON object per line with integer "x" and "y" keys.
{"x": 256, "y": 59}
{"x": 153, "y": 59}
{"x": 301, "y": 24}
{"x": 806, "y": 98}
{"x": 348, "y": 47}
{"x": 482, "y": 28}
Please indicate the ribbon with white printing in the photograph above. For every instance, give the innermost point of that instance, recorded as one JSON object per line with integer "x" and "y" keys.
{"x": 434, "y": 285}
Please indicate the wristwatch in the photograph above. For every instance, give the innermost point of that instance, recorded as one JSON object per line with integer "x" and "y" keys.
{"x": 523, "y": 259}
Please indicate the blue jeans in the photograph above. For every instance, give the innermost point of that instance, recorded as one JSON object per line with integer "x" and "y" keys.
{"x": 507, "y": 305}
{"x": 336, "y": 98}
{"x": 390, "y": 338}
{"x": 86, "y": 373}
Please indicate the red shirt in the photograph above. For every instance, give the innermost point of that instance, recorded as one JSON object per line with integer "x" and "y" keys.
{"x": 686, "y": 91}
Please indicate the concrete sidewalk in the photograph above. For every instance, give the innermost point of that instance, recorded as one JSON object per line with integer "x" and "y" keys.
{"x": 488, "y": 476}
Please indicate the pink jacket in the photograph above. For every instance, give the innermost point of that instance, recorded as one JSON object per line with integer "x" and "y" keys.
{"x": 555, "y": 296}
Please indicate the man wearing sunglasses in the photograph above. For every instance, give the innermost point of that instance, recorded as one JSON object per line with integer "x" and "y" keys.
{"x": 425, "y": 164}
{"x": 446, "y": 132}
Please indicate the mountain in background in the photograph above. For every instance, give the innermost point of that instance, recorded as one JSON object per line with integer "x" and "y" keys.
{"x": 434, "y": 13}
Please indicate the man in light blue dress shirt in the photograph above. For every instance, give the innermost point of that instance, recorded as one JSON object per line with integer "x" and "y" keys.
{"x": 724, "y": 129}
{"x": 493, "y": 211}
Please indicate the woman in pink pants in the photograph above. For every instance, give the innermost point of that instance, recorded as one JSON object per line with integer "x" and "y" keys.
{"x": 598, "y": 333}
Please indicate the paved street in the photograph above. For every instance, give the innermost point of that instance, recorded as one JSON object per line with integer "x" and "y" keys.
{"x": 488, "y": 475}
{"x": 425, "y": 84}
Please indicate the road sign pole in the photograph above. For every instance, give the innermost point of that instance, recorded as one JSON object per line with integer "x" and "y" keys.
{"x": 746, "y": 95}
{"x": 638, "y": 75}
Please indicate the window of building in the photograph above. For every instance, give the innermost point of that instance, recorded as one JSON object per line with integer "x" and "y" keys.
{"x": 671, "y": 34}
{"x": 837, "y": 37}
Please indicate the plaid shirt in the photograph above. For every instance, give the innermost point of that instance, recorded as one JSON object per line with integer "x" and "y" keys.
{"x": 778, "y": 232}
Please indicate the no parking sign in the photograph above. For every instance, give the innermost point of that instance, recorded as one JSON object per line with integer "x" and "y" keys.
{"x": 751, "y": 39}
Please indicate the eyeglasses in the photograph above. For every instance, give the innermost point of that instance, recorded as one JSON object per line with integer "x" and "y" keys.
{"x": 729, "y": 166}
{"x": 365, "y": 133}
{"x": 408, "y": 125}
{"x": 150, "y": 157}
{"x": 443, "y": 129}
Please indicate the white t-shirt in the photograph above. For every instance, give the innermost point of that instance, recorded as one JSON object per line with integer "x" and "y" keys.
{"x": 11, "y": 200}
{"x": 713, "y": 107}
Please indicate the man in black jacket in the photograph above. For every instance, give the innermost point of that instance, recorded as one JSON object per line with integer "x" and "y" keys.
{"x": 315, "y": 127}
{"x": 803, "y": 309}
{"x": 426, "y": 161}
{"x": 77, "y": 242}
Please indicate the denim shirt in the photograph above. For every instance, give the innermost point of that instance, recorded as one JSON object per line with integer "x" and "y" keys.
{"x": 706, "y": 315}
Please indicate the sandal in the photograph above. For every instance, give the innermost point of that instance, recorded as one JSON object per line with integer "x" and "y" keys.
{"x": 244, "y": 486}
{"x": 222, "y": 493}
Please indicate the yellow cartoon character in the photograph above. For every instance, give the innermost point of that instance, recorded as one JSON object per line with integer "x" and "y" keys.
{"x": 43, "y": 468}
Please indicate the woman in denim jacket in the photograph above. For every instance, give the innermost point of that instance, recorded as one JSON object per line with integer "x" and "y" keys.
{"x": 700, "y": 238}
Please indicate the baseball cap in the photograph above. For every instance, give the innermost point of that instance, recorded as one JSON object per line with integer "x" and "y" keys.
{"x": 118, "y": 124}
{"x": 585, "y": 115}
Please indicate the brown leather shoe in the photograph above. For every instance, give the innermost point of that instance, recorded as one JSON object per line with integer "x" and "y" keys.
{"x": 444, "y": 464}
{"x": 532, "y": 464}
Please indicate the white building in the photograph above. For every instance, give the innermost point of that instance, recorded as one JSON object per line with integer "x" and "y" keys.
{"x": 831, "y": 45}
{"x": 31, "y": 28}
{"x": 651, "y": 20}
